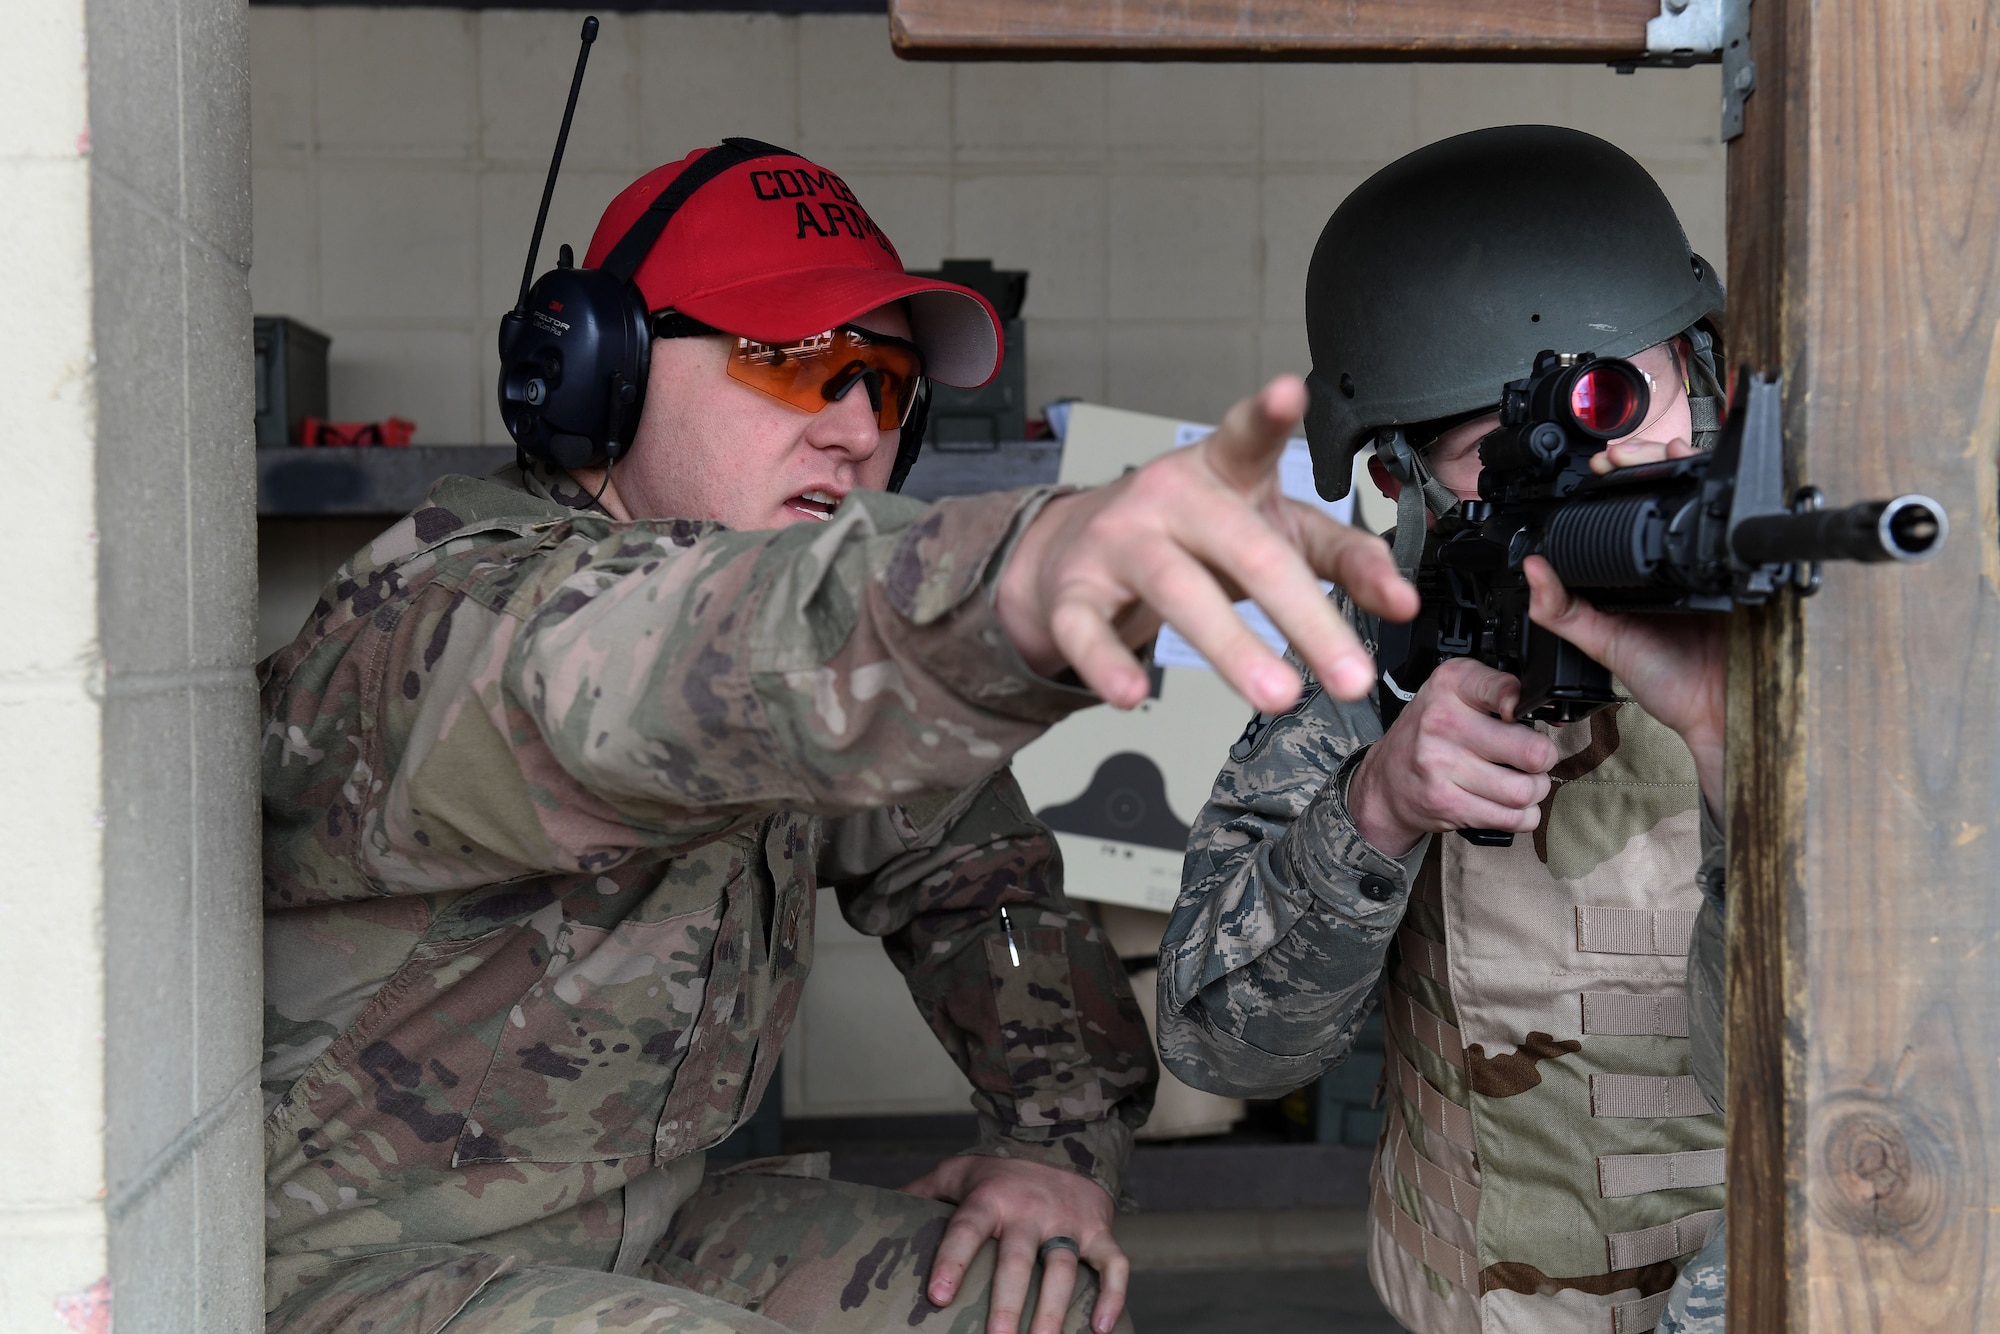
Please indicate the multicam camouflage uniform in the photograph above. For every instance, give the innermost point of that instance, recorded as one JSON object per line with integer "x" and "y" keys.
{"x": 1547, "y": 1159}
{"x": 547, "y": 802}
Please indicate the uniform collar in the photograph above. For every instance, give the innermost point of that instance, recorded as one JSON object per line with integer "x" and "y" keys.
{"x": 552, "y": 484}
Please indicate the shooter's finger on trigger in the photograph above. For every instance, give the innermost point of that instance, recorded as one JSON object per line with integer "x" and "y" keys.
{"x": 1245, "y": 448}
{"x": 1087, "y": 642}
{"x": 1489, "y": 691}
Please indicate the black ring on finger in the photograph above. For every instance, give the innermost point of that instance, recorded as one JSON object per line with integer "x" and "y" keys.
{"x": 1059, "y": 1244}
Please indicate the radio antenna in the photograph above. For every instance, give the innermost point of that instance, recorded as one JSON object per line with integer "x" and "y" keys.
{"x": 555, "y": 163}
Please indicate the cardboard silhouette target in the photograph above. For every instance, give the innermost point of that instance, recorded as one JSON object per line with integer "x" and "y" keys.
{"x": 1126, "y": 802}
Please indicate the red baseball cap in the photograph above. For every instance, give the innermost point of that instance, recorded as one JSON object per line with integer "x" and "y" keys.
{"x": 777, "y": 249}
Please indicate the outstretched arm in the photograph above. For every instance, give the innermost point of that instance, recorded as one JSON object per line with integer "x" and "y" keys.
{"x": 674, "y": 677}
{"x": 1180, "y": 539}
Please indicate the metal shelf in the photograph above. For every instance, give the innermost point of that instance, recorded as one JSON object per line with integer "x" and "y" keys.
{"x": 381, "y": 482}
{"x": 372, "y": 481}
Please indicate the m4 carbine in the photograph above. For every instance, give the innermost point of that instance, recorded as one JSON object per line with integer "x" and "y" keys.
{"x": 1696, "y": 534}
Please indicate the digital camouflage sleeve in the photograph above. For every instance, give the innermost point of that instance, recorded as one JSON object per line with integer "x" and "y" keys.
{"x": 1270, "y": 960}
{"x": 1272, "y": 955}
{"x": 548, "y": 799}
{"x": 1274, "y": 951}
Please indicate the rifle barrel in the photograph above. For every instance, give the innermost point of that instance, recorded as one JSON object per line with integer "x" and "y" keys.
{"x": 1908, "y": 528}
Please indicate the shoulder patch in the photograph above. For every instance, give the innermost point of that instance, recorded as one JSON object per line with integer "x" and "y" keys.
{"x": 1258, "y": 729}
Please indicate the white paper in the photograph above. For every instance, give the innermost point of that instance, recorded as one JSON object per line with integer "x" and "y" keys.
{"x": 1295, "y": 479}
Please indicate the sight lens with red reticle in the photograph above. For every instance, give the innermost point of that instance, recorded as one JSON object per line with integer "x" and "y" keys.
{"x": 1608, "y": 398}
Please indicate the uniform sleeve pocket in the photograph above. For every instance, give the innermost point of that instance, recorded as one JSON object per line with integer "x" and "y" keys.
{"x": 1054, "y": 1080}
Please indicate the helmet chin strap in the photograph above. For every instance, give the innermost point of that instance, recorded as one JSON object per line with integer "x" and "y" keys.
{"x": 1705, "y": 391}
{"x": 1420, "y": 492}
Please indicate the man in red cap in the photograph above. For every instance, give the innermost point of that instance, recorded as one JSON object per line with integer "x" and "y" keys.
{"x": 554, "y": 773}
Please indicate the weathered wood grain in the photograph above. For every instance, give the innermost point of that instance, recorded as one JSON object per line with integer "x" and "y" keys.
{"x": 1767, "y": 776}
{"x": 1542, "y": 30}
{"x": 1865, "y": 820}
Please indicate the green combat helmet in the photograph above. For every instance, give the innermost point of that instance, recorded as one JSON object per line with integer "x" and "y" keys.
{"x": 1439, "y": 279}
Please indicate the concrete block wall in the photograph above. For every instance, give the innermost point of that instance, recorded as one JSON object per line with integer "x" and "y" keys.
{"x": 128, "y": 804}
{"x": 176, "y": 500}
{"x": 54, "y": 1242}
{"x": 1165, "y": 211}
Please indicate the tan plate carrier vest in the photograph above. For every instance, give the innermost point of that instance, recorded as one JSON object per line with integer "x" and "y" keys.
{"x": 1546, "y": 1162}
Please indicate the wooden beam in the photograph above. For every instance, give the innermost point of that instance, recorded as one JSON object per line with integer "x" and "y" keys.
{"x": 1864, "y": 252}
{"x": 1584, "y": 31}
{"x": 1767, "y": 787}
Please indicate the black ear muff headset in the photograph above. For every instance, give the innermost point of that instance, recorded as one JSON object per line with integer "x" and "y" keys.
{"x": 576, "y": 348}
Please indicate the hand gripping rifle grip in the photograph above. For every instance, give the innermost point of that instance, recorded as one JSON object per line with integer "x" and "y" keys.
{"x": 1487, "y": 838}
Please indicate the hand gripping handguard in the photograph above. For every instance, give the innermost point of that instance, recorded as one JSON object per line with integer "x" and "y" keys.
{"x": 1698, "y": 534}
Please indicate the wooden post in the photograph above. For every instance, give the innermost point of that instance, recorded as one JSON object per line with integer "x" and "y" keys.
{"x": 1864, "y": 257}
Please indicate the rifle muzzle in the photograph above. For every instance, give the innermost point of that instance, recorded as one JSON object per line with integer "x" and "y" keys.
{"x": 1908, "y": 528}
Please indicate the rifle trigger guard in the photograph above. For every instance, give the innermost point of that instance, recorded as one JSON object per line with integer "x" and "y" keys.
{"x": 1807, "y": 575}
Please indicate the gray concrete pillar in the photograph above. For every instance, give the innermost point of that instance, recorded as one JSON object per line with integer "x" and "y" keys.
{"x": 128, "y": 803}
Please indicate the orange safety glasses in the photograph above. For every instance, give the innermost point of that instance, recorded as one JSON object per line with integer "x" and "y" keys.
{"x": 816, "y": 371}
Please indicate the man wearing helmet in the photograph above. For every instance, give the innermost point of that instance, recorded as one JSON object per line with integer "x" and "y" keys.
{"x": 554, "y": 773}
{"x": 1547, "y": 1161}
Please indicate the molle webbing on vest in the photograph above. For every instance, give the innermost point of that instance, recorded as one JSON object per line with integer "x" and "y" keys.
{"x": 1556, "y": 985}
{"x": 1413, "y": 1019}
{"x": 1436, "y": 1183}
{"x": 1623, "y": 1174}
{"x": 1647, "y": 1095}
{"x": 1683, "y": 1236}
{"x": 1618, "y": 1014}
{"x": 1424, "y": 956}
{"x": 1436, "y": 1111}
{"x": 1434, "y": 1251}
{"x": 1627, "y": 1250}
{"x": 1640, "y": 1316}
{"x": 1634, "y": 930}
